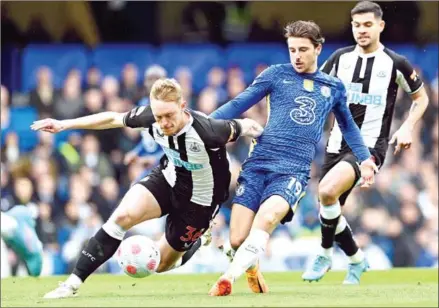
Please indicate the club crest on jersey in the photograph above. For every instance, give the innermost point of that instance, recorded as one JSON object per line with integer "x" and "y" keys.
{"x": 195, "y": 147}
{"x": 240, "y": 190}
{"x": 326, "y": 91}
{"x": 308, "y": 85}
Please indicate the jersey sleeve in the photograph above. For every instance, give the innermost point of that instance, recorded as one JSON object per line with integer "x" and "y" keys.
{"x": 348, "y": 127}
{"x": 261, "y": 86}
{"x": 139, "y": 117}
{"x": 221, "y": 131}
{"x": 331, "y": 64}
{"x": 406, "y": 76}
{"x": 216, "y": 133}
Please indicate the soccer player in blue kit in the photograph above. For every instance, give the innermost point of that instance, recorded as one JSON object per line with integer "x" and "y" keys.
{"x": 275, "y": 175}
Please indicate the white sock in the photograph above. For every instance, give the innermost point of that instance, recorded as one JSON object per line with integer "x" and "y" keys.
{"x": 74, "y": 281}
{"x": 327, "y": 252}
{"x": 9, "y": 225}
{"x": 114, "y": 230}
{"x": 357, "y": 258}
{"x": 330, "y": 211}
{"x": 248, "y": 253}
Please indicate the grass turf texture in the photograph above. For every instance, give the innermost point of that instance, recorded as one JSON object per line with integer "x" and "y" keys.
{"x": 394, "y": 288}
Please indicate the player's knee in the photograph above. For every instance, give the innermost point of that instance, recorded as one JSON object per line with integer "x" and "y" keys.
{"x": 271, "y": 218}
{"x": 236, "y": 240}
{"x": 267, "y": 220}
{"x": 124, "y": 219}
{"x": 327, "y": 193}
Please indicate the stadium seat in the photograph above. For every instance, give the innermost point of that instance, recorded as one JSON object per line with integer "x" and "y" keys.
{"x": 59, "y": 58}
{"x": 21, "y": 119}
{"x": 111, "y": 59}
{"x": 248, "y": 56}
{"x": 198, "y": 58}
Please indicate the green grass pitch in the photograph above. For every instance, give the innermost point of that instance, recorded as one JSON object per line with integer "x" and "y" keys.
{"x": 394, "y": 288}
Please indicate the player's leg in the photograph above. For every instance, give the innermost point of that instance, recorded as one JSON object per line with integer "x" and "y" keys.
{"x": 241, "y": 220}
{"x": 334, "y": 187}
{"x": 357, "y": 261}
{"x": 246, "y": 204}
{"x": 139, "y": 204}
{"x": 18, "y": 232}
{"x": 240, "y": 225}
{"x": 344, "y": 237}
{"x": 278, "y": 197}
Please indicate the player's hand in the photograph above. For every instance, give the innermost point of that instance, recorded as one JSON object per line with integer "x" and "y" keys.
{"x": 368, "y": 170}
{"x": 403, "y": 139}
{"x": 48, "y": 125}
{"x": 130, "y": 157}
{"x": 251, "y": 128}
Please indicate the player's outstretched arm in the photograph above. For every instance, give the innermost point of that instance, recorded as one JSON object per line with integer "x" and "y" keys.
{"x": 220, "y": 132}
{"x": 103, "y": 120}
{"x": 250, "y": 128}
{"x": 261, "y": 87}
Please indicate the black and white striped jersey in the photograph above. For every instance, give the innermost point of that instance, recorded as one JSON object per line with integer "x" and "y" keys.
{"x": 195, "y": 163}
{"x": 371, "y": 81}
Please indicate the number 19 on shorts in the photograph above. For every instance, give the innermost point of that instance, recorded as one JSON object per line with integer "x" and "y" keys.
{"x": 294, "y": 187}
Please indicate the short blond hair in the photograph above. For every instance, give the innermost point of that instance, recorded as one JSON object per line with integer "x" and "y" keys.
{"x": 167, "y": 90}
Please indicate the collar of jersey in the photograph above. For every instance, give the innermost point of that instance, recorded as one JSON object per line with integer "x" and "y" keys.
{"x": 369, "y": 55}
{"x": 186, "y": 128}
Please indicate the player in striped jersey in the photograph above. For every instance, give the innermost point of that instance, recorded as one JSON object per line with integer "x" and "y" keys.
{"x": 275, "y": 175}
{"x": 371, "y": 74}
{"x": 188, "y": 187}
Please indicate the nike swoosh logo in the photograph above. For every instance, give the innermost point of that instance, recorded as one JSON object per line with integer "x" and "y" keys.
{"x": 288, "y": 81}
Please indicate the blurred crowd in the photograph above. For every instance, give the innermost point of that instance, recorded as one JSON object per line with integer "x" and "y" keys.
{"x": 73, "y": 185}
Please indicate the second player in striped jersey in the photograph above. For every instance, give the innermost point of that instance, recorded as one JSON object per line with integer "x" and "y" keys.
{"x": 371, "y": 74}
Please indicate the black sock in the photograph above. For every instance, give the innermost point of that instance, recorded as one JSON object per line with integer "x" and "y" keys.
{"x": 99, "y": 249}
{"x": 188, "y": 255}
{"x": 346, "y": 241}
{"x": 328, "y": 227}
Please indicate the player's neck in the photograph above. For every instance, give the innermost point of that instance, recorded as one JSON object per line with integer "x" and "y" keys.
{"x": 369, "y": 49}
{"x": 312, "y": 69}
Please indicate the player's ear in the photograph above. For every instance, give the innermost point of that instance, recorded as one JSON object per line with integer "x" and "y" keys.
{"x": 382, "y": 25}
{"x": 183, "y": 104}
{"x": 318, "y": 49}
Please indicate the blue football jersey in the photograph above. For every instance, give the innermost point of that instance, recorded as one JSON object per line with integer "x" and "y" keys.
{"x": 298, "y": 107}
